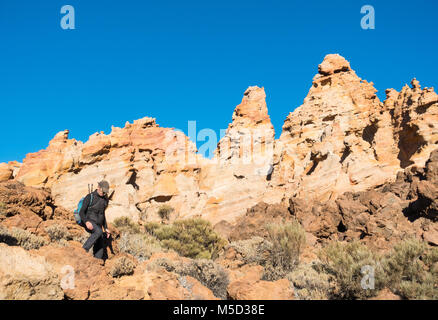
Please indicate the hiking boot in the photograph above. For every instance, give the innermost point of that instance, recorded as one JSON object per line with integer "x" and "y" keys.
{"x": 101, "y": 262}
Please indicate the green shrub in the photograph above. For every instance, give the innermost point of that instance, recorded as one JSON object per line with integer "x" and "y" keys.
{"x": 140, "y": 245}
{"x": 193, "y": 238}
{"x": 345, "y": 262}
{"x": 121, "y": 267}
{"x": 58, "y": 232}
{"x": 150, "y": 227}
{"x": 164, "y": 211}
{"x": 287, "y": 240}
{"x": 412, "y": 270}
{"x": 22, "y": 238}
{"x": 126, "y": 225}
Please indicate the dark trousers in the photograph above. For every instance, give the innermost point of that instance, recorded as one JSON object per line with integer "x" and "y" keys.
{"x": 97, "y": 240}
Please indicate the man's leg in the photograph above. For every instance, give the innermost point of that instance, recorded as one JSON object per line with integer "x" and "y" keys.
{"x": 96, "y": 233}
{"x": 99, "y": 248}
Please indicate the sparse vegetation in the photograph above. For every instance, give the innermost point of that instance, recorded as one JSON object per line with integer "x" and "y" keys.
{"x": 193, "y": 238}
{"x": 22, "y": 238}
{"x": 121, "y": 267}
{"x": 345, "y": 261}
{"x": 256, "y": 250}
{"x": 82, "y": 237}
{"x": 2, "y": 209}
{"x": 164, "y": 211}
{"x": 140, "y": 245}
{"x": 311, "y": 283}
{"x": 58, "y": 232}
{"x": 126, "y": 225}
{"x": 412, "y": 270}
{"x": 287, "y": 241}
{"x": 207, "y": 272}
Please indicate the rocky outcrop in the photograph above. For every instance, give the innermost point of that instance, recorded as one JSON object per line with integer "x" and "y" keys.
{"x": 145, "y": 165}
{"x": 236, "y": 177}
{"x": 33, "y": 210}
{"x": 248, "y": 286}
{"x": 381, "y": 216}
{"x": 342, "y": 138}
{"x": 5, "y": 172}
{"x": 25, "y": 276}
{"x": 414, "y": 114}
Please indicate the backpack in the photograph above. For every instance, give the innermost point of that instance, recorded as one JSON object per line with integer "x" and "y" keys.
{"x": 78, "y": 209}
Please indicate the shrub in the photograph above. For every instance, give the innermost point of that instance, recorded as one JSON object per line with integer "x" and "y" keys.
{"x": 58, "y": 232}
{"x": 287, "y": 241}
{"x": 345, "y": 261}
{"x": 122, "y": 266}
{"x": 126, "y": 225}
{"x": 207, "y": 272}
{"x": 151, "y": 227}
{"x": 412, "y": 270}
{"x": 140, "y": 245}
{"x": 164, "y": 211}
{"x": 82, "y": 237}
{"x": 2, "y": 209}
{"x": 210, "y": 274}
{"x": 311, "y": 283}
{"x": 22, "y": 238}
{"x": 193, "y": 238}
{"x": 256, "y": 250}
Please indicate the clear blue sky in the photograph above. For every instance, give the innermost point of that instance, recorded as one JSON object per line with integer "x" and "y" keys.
{"x": 190, "y": 60}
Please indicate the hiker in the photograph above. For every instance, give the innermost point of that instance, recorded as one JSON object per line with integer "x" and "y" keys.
{"x": 93, "y": 220}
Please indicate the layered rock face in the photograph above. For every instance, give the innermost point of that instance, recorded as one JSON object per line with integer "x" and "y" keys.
{"x": 414, "y": 115}
{"x": 236, "y": 177}
{"x": 144, "y": 164}
{"x": 148, "y": 166}
{"x": 341, "y": 139}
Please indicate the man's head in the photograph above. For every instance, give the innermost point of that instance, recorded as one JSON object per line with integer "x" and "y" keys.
{"x": 103, "y": 187}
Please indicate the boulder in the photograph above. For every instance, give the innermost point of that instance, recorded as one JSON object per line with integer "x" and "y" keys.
{"x": 26, "y": 276}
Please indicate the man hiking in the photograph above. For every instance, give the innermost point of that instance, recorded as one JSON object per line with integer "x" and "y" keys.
{"x": 94, "y": 221}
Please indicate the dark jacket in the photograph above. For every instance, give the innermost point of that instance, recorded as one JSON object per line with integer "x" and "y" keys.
{"x": 94, "y": 211}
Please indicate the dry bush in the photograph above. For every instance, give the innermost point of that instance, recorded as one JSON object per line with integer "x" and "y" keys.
{"x": 412, "y": 270}
{"x": 164, "y": 211}
{"x": 207, "y": 272}
{"x": 256, "y": 250}
{"x": 139, "y": 245}
{"x": 345, "y": 262}
{"x": 22, "y": 238}
{"x": 2, "y": 209}
{"x": 311, "y": 283}
{"x": 122, "y": 266}
{"x": 58, "y": 232}
{"x": 287, "y": 240}
{"x": 82, "y": 237}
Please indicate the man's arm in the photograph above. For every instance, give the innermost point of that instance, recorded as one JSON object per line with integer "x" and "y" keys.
{"x": 84, "y": 207}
